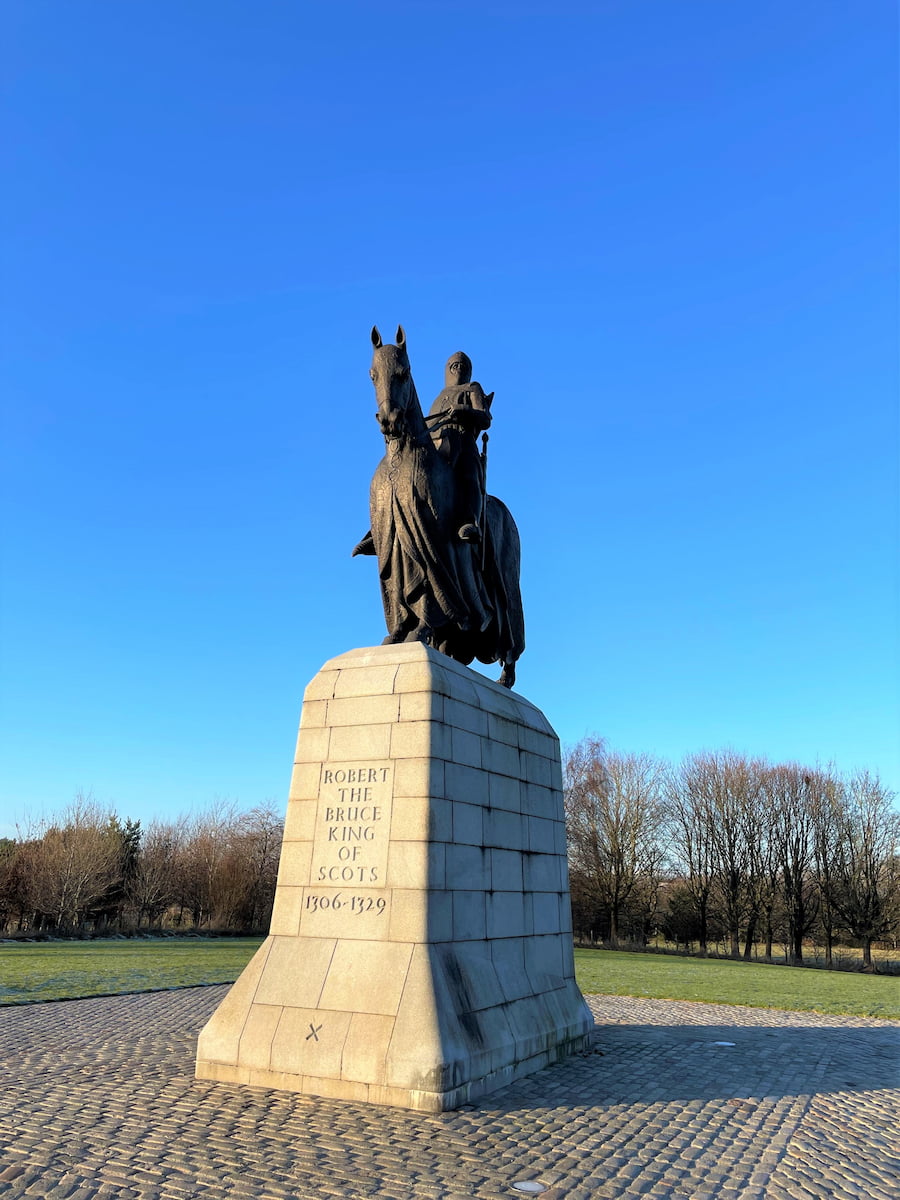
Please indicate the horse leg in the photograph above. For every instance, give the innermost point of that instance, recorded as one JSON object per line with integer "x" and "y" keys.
{"x": 410, "y": 629}
{"x": 508, "y": 674}
{"x": 400, "y": 633}
{"x": 421, "y": 633}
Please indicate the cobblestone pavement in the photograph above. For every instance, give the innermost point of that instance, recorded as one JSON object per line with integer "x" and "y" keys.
{"x": 694, "y": 1101}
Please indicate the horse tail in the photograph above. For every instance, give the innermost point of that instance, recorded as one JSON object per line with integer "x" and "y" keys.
{"x": 502, "y": 567}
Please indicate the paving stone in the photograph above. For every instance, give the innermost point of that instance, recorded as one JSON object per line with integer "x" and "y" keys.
{"x": 97, "y": 1098}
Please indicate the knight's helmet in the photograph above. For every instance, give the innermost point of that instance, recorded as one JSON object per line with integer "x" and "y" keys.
{"x": 458, "y": 369}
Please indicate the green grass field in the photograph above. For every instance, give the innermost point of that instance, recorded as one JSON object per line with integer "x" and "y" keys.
{"x": 67, "y": 970}
{"x": 719, "y": 981}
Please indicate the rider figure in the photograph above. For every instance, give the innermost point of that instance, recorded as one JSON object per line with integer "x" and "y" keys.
{"x": 460, "y": 412}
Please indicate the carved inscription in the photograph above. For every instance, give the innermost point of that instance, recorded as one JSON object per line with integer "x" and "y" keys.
{"x": 346, "y": 896}
{"x": 335, "y": 901}
{"x": 353, "y": 822}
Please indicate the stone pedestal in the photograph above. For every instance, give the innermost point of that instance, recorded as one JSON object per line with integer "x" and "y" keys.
{"x": 420, "y": 952}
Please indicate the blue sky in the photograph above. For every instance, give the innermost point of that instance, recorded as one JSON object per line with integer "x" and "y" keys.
{"x": 665, "y": 233}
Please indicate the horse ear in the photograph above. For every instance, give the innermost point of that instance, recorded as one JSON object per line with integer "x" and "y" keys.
{"x": 376, "y": 338}
{"x": 401, "y": 336}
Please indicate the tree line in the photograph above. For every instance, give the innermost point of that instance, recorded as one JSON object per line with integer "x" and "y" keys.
{"x": 728, "y": 849}
{"x": 87, "y": 871}
{"x": 720, "y": 850}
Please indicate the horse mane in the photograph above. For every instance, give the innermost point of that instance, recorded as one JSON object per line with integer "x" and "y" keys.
{"x": 418, "y": 428}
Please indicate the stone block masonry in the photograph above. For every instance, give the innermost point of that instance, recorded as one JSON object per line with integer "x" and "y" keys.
{"x": 420, "y": 951}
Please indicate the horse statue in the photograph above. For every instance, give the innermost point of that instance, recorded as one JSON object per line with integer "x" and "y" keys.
{"x": 460, "y": 597}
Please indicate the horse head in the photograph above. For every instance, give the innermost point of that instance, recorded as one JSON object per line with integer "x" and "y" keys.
{"x": 399, "y": 412}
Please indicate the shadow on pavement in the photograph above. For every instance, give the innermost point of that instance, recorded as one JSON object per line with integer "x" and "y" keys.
{"x": 641, "y": 1064}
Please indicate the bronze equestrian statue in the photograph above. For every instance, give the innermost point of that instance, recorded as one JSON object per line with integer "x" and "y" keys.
{"x": 448, "y": 553}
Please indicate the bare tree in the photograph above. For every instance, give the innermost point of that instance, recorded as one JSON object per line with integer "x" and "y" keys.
{"x": 715, "y": 807}
{"x": 71, "y": 863}
{"x": 614, "y": 820}
{"x": 692, "y": 842}
{"x": 226, "y": 865}
{"x": 12, "y": 883}
{"x": 762, "y": 873}
{"x": 790, "y": 793}
{"x": 201, "y": 873}
{"x": 259, "y": 845}
{"x": 764, "y": 884}
{"x": 152, "y": 887}
{"x": 866, "y": 866}
{"x": 826, "y": 803}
